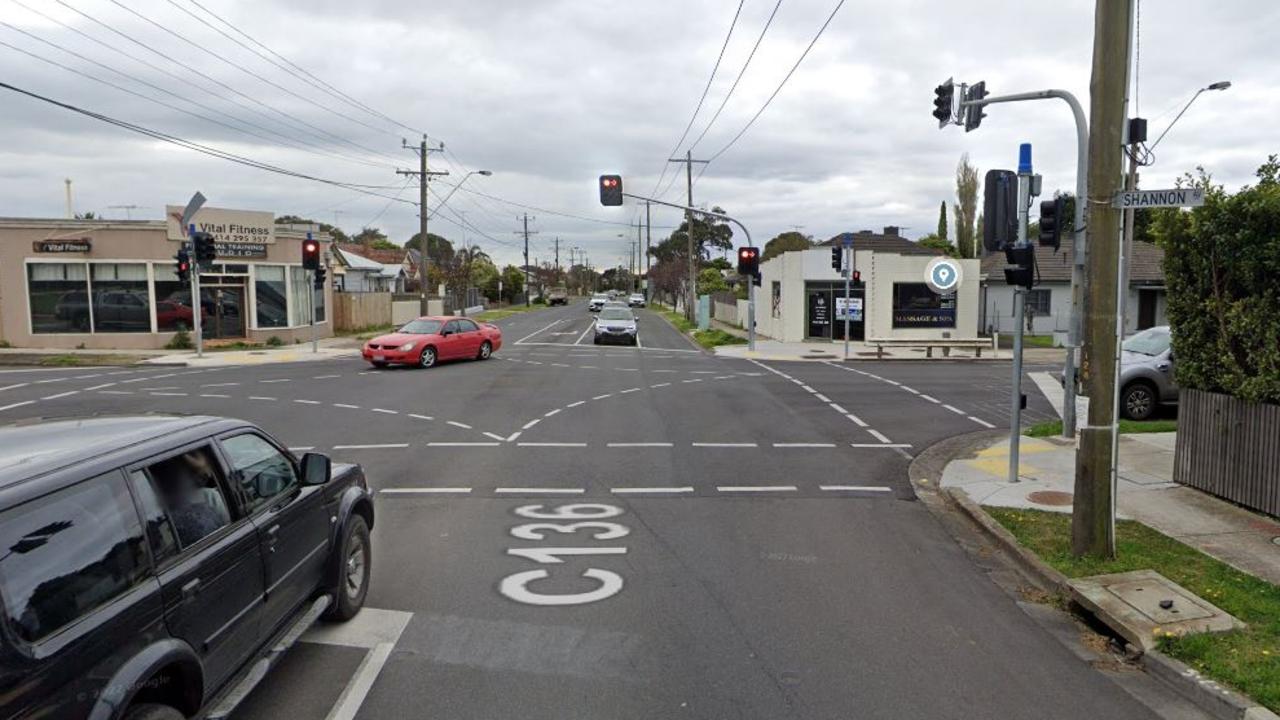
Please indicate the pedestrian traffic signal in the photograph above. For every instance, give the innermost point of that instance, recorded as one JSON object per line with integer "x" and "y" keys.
{"x": 610, "y": 189}
{"x": 183, "y": 265}
{"x": 748, "y": 260}
{"x": 1022, "y": 262}
{"x": 856, "y": 278}
{"x": 206, "y": 252}
{"x": 310, "y": 254}
{"x": 837, "y": 258}
{"x": 1051, "y": 214}
{"x": 319, "y": 278}
{"x": 973, "y": 114}
{"x": 999, "y": 209}
{"x": 943, "y": 101}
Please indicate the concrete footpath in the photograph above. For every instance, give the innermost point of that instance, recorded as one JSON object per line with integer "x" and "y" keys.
{"x": 1145, "y": 492}
{"x": 327, "y": 349}
{"x": 827, "y": 351}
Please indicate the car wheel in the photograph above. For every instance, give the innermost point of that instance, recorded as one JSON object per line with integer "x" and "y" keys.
{"x": 1138, "y": 401}
{"x": 379, "y": 365}
{"x": 427, "y": 358}
{"x": 152, "y": 711}
{"x": 595, "y": 341}
{"x": 353, "y": 574}
{"x": 486, "y": 349}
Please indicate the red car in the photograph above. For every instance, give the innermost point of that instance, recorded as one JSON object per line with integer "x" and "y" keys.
{"x": 428, "y": 340}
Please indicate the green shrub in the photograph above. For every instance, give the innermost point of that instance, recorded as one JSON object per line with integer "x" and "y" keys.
{"x": 1221, "y": 264}
{"x": 5, "y": 344}
{"x": 181, "y": 341}
{"x": 274, "y": 341}
{"x": 539, "y": 300}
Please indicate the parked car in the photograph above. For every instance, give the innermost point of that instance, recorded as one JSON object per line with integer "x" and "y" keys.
{"x": 636, "y": 300}
{"x": 1146, "y": 373}
{"x": 616, "y": 325}
{"x": 597, "y": 302}
{"x": 558, "y": 296}
{"x": 155, "y": 567}
{"x": 428, "y": 340}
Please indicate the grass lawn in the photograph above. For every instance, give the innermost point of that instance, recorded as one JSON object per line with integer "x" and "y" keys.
{"x": 367, "y": 333}
{"x": 500, "y": 313}
{"x": 716, "y": 337}
{"x": 1028, "y": 341}
{"x": 1053, "y": 428}
{"x": 1248, "y": 660}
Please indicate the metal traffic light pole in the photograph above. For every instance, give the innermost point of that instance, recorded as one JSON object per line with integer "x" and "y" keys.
{"x": 1019, "y": 311}
{"x": 197, "y": 307}
{"x": 751, "y": 289}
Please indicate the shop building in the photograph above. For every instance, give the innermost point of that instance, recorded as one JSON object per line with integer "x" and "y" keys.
{"x": 107, "y": 284}
{"x": 801, "y": 297}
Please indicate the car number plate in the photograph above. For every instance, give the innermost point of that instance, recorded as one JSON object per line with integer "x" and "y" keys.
{"x": 379, "y": 358}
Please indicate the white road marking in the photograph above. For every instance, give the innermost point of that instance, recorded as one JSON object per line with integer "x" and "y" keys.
{"x": 535, "y": 332}
{"x": 588, "y": 367}
{"x": 307, "y": 402}
{"x": 576, "y": 404}
{"x": 262, "y": 397}
{"x": 583, "y": 336}
{"x": 372, "y": 446}
{"x": 169, "y": 394}
{"x": 269, "y": 381}
{"x": 724, "y": 444}
{"x": 99, "y": 387}
{"x": 361, "y": 683}
{"x": 756, "y": 488}
{"x": 162, "y": 387}
{"x": 455, "y": 423}
{"x": 891, "y": 382}
{"x": 879, "y": 435}
{"x": 911, "y": 390}
{"x": 51, "y": 380}
{"x": 702, "y": 372}
{"x": 561, "y": 365}
{"x": 822, "y": 397}
{"x": 531, "y": 423}
{"x": 551, "y": 444}
{"x": 345, "y": 405}
{"x": 601, "y": 397}
{"x": 512, "y": 437}
{"x": 225, "y": 384}
{"x": 549, "y": 413}
{"x": 532, "y": 362}
{"x": 495, "y": 436}
{"x": 384, "y": 411}
{"x": 426, "y": 491}
{"x": 930, "y": 398}
{"x": 639, "y": 444}
{"x": 13, "y": 387}
{"x": 61, "y": 395}
{"x": 839, "y": 409}
{"x": 628, "y": 369}
{"x": 214, "y": 395}
{"x": 804, "y": 445}
{"x": 324, "y": 377}
{"x": 301, "y": 448}
{"x": 647, "y": 490}
{"x": 666, "y": 371}
{"x": 981, "y": 422}
{"x": 421, "y": 417}
{"x": 116, "y": 392}
{"x": 855, "y": 488}
{"x": 17, "y": 404}
{"x": 880, "y": 445}
{"x": 692, "y": 381}
{"x": 660, "y": 385}
{"x": 630, "y": 390}
{"x": 856, "y": 420}
{"x": 463, "y": 444}
{"x": 539, "y": 491}
{"x": 806, "y": 388}
{"x": 954, "y": 409}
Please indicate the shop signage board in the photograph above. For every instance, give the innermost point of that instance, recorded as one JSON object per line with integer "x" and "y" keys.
{"x": 77, "y": 245}
{"x": 854, "y": 304}
{"x": 227, "y": 226}
{"x": 240, "y": 250}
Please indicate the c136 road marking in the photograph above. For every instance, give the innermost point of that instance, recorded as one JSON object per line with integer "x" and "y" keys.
{"x": 573, "y": 517}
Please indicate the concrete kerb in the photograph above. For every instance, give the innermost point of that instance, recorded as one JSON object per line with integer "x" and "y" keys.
{"x": 926, "y": 472}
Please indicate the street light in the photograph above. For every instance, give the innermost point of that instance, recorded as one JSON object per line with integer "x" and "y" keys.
{"x": 440, "y": 205}
{"x": 1220, "y": 85}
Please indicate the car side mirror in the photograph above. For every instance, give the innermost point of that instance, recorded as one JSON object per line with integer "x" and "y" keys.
{"x": 316, "y": 468}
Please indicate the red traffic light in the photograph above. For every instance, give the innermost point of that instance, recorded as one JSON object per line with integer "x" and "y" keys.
{"x": 857, "y": 276}
{"x": 311, "y": 246}
{"x": 748, "y": 260}
{"x": 610, "y": 190}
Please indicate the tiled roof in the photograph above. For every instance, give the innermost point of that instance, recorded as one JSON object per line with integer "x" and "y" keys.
{"x": 877, "y": 242}
{"x": 1146, "y": 266}
{"x": 386, "y": 257}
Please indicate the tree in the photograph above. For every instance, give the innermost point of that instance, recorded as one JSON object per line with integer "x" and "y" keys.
{"x": 785, "y": 242}
{"x": 512, "y": 282}
{"x": 937, "y": 243}
{"x": 375, "y": 238}
{"x": 440, "y": 250}
{"x": 720, "y": 264}
{"x": 332, "y": 230}
{"x": 942, "y": 220}
{"x": 711, "y": 281}
{"x": 86, "y": 216}
{"x": 708, "y": 233}
{"x": 966, "y": 206}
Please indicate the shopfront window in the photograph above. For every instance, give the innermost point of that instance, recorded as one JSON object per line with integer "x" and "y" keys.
{"x": 299, "y": 300}
{"x": 58, "y": 295}
{"x": 173, "y": 301}
{"x": 916, "y": 306}
{"x": 121, "y": 301}
{"x": 272, "y": 296}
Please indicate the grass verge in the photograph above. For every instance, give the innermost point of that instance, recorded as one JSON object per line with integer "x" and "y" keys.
{"x": 1053, "y": 428}
{"x": 1248, "y": 660}
{"x": 716, "y": 337}
{"x": 500, "y": 313}
{"x": 1028, "y": 341}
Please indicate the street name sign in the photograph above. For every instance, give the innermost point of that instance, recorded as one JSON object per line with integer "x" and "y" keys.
{"x": 1177, "y": 197}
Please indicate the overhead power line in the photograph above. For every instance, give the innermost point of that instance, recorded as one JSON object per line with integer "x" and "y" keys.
{"x": 201, "y": 148}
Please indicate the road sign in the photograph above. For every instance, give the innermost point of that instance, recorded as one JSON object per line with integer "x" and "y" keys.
{"x": 193, "y": 206}
{"x": 1177, "y": 197}
{"x": 942, "y": 275}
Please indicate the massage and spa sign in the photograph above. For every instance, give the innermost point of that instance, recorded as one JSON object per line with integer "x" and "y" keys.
{"x": 236, "y": 233}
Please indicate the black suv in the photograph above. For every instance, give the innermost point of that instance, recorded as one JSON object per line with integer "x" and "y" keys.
{"x": 154, "y": 567}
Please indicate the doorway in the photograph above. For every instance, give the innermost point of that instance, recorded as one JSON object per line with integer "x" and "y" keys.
{"x": 222, "y": 311}
{"x": 825, "y": 311}
{"x": 1146, "y": 309}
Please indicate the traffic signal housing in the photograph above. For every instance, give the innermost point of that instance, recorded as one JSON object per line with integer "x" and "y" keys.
{"x": 1022, "y": 265}
{"x": 973, "y": 114}
{"x": 943, "y": 102}
{"x": 837, "y": 258}
{"x": 319, "y": 278}
{"x": 856, "y": 278}
{"x": 206, "y": 252}
{"x": 610, "y": 189}
{"x": 748, "y": 261}
{"x": 999, "y": 209}
{"x": 310, "y": 254}
{"x": 1051, "y": 216}
{"x": 182, "y": 265}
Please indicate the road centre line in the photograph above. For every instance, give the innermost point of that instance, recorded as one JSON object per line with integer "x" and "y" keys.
{"x": 650, "y": 490}
{"x": 13, "y": 387}
{"x": 17, "y": 404}
{"x": 804, "y": 445}
{"x": 455, "y": 423}
{"x": 347, "y": 406}
{"x": 551, "y": 444}
{"x": 878, "y": 435}
{"x": 99, "y": 387}
{"x": 879, "y": 445}
{"x": 115, "y": 392}
{"x": 169, "y": 394}
{"x": 724, "y": 444}
{"x": 638, "y": 444}
{"x": 225, "y": 384}
{"x": 666, "y": 384}
{"x": 954, "y": 409}
{"x": 856, "y": 488}
{"x": 538, "y": 491}
{"x": 262, "y": 397}
{"x": 50, "y": 380}
{"x": 324, "y": 377}
{"x": 531, "y": 423}
{"x": 630, "y": 390}
{"x": 602, "y": 397}
{"x": 911, "y": 390}
{"x": 420, "y": 417}
{"x": 213, "y": 395}
{"x": 385, "y": 411}
{"x": 931, "y": 398}
{"x": 268, "y": 381}
{"x": 692, "y": 381}
{"x": 426, "y": 491}
{"x": 307, "y": 402}
{"x": 856, "y": 420}
{"x": 550, "y": 413}
{"x": 756, "y": 488}
{"x": 463, "y": 444}
{"x": 372, "y": 446}
{"x": 822, "y": 397}
{"x": 981, "y": 422}
{"x": 576, "y": 404}
{"x": 61, "y": 395}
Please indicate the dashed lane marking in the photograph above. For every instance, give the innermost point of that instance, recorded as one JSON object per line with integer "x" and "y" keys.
{"x": 755, "y": 488}
{"x": 539, "y": 491}
{"x": 495, "y": 436}
{"x": 262, "y": 397}
{"x": 630, "y": 390}
{"x": 550, "y": 413}
{"x": 371, "y": 446}
{"x": 886, "y": 445}
{"x": 324, "y": 377}
{"x": 601, "y": 397}
{"x": 426, "y": 491}
{"x": 804, "y": 445}
{"x": 17, "y": 404}
{"x": 347, "y": 406}
{"x": 308, "y": 402}
{"x": 856, "y": 420}
{"x": 879, "y": 436}
{"x": 930, "y": 398}
{"x": 455, "y": 423}
{"x": 213, "y": 395}
{"x": 385, "y": 411}
{"x": 981, "y": 422}
{"x": 576, "y": 404}
{"x": 915, "y": 392}
{"x": 954, "y": 409}
{"x": 421, "y": 417}
{"x": 822, "y": 397}
{"x": 61, "y": 395}
{"x": 531, "y": 423}
{"x": 115, "y": 392}
{"x": 552, "y": 444}
{"x": 651, "y": 490}
{"x": 463, "y": 444}
{"x": 172, "y": 394}
{"x": 99, "y": 387}
{"x": 725, "y": 444}
{"x": 855, "y": 488}
{"x": 301, "y": 448}
{"x": 13, "y": 387}
{"x": 269, "y": 381}
{"x": 639, "y": 444}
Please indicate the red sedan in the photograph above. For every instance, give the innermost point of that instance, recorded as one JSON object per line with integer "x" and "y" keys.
{"x": 428, "y": 340}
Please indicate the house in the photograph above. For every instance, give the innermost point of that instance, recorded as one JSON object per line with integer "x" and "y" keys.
{"x": 1049, "y": 303}
{"x": 354, "y": 272}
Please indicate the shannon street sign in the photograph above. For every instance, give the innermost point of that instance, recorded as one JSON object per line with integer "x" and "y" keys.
{"x": 1177, "y": 197}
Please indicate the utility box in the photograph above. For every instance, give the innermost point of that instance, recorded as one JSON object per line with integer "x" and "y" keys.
{"x": 704, "y": 312}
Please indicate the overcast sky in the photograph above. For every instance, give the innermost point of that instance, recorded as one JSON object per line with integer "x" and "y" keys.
{"x": 550, "y": 94}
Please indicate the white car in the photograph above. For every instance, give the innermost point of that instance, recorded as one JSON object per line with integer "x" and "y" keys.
{"x": 597, "y": 302}
{"x": 636, "y": 300}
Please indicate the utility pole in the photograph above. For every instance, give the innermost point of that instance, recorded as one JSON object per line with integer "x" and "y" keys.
{"x": 424, "y": 177}
{"x": 557, "y": 260}
{"x": 1092, "y": 532}
{"x": 648, "y": 246}
{"x": 636, "y": 275}
{"x": 526, "y": 232}
{"x": 691, "y": 297}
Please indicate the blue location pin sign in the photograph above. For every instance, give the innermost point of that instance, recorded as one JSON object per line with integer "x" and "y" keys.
{"x": 943, "y": 275}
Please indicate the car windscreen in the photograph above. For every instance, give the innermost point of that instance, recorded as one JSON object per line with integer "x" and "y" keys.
{"x": 1153, "y": 341}
{"x": 615, "y": 314}
{"x": 421, "y": 327}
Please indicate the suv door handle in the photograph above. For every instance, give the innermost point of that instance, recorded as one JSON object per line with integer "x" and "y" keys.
{"x": 191, "y": 589}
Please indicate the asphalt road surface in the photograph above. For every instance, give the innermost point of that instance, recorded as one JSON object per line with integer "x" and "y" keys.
{"x": 568, "y": 531}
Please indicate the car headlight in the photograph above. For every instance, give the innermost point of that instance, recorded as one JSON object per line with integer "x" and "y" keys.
{"x": 405, "y": 347}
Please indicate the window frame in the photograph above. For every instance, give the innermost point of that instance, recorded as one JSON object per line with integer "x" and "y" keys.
{"x": 1041, "y": 292}
{"x": 462, "y": 322}
{"x": 246, "y": 506}
{"x": 235, "y": 503}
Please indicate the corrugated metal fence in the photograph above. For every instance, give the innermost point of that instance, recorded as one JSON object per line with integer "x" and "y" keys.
{"x": 1229, "y": 448}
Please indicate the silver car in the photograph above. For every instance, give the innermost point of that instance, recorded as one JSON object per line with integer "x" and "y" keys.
{"x": 1146, "y": 373}
{"x": 597, "y": 302}
{"x": 616, "y": 325}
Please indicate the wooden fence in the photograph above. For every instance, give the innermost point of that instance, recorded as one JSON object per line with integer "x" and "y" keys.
{"x": 1229, "y": 448}
{"x": 353, "y": 311}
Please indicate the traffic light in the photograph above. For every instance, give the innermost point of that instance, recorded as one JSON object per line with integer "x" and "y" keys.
{"x": 943, "y": 102}
{"x": 837, "y": 258}
{"x": 999, "y": 209}
{"x": 310, "y": 254}
{"x": 1051, "y": 213}
{"x": 748, "y": 260}
{"x": 857, "y": 278}
{"x": 973, "y": 114}
{"x": 610, "y": 189}
{"x": 206, "y": 252}
{"x": 319, "y": 278}
{"x": 1022, "y": 261}
{"x": 183, "y": 265}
